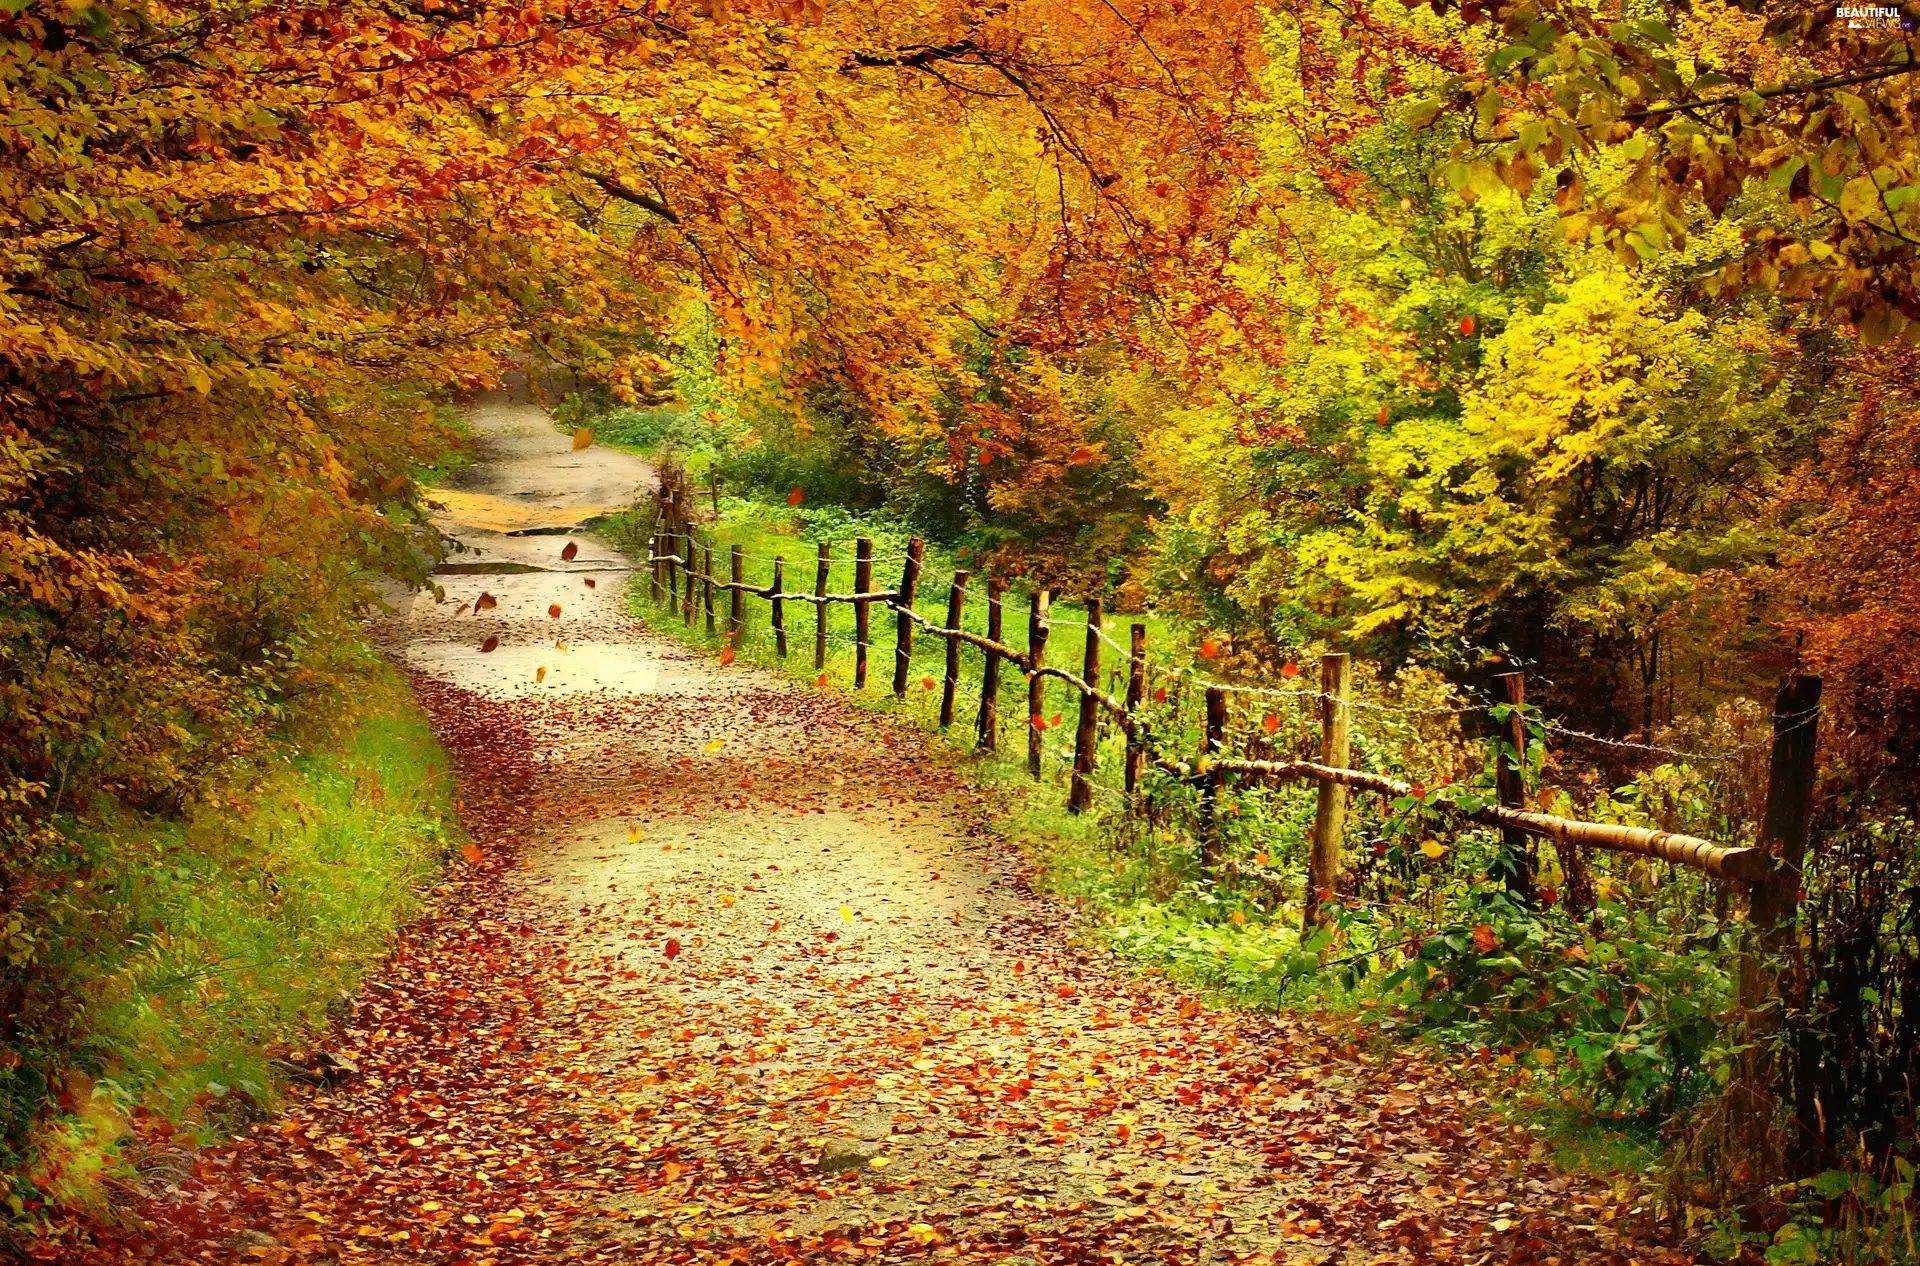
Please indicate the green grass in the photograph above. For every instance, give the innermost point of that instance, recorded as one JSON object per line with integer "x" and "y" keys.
{"x": 199, "y": 949}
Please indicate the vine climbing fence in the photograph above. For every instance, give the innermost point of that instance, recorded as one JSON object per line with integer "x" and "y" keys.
{"x": 683, "y": 577}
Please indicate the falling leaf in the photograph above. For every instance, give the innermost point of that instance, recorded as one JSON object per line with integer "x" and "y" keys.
{"x": 472, "y": 853}
{"x": 927, "y": 682}
{"x": 560, "y": 645}
{"x": 1053, "y": 721}
{"x": 485, "y": 602}
{"x": 1466, "y": 325}
{"x": 1289, "y": 670}
{"x": 727, "y": 899}
{"x": 1238, "y": 918}
{"x": 1160, "y": 694}
{"x": 1080, "y": 456}
{"x": 672, "y": 948}
{"x": 633, "y": 831}
{"x": 1038, "y": 723}
{"x": 1381, "y": 420}
{"x": 726, "y": 656}
{"x": 1483, "y": 938}
{"x": 1270, "y": 723}
{"x": 1209, "y": 649}
{"x": 846, "y": 913}
{"x": 553, "y": 611}
{"x": 716, "y": 744}
{"x": 796, "y": 496}
{"x": 539, "y": 674}
{"x": 590, "y": 583}
{"x": 821, "y": 681}
{"x": 1434, "y": 849}
{"x": 1418, "y": 791}
{"x": 583, "y": 438}
{"x": 571, "y": 552}
{"x": 486, "y": 647}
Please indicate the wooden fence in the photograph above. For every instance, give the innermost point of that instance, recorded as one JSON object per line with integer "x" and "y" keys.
{"x": 680, "y": 564}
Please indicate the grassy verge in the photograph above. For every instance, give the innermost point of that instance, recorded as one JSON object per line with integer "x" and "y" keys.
{"x": 196, "y": 950}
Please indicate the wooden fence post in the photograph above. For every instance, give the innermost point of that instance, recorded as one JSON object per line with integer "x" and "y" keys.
{"x": 737, "y": 609}
{"x": 1212, "y": 780}
{"x": 1774, "y": 903}
{"x": 862, "y": 618}
{"x": 820, "y": 572}
{"x": 1037, "y": 628}
{"x": 686, "y": 603}
{"x": 1136, "y": 695}
{"x": 1511, "y": 781}
{"x": 950, "y": 687}
{"x": 779, "y": 608}
{"x": 654, "y": 551}
{"x": 713, "y": 478}
{"x": 1087, "y": 737}
{"x": 1330, "y": 812}
{"x": 670, "y": 534}
{"x": 988, "y": 726}
{"x": 903, "y": 629}
{"x": 706, "y": 584}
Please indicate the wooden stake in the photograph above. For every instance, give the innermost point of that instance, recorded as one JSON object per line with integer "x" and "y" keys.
{"x": 988, "y": 726}
{"x": 671, "y": 536}
{"x": 706, "y": 584}
{"x": 950, "y": 688}
{"x": 737, "y": 609}
{"x": 779, "y": 607}
{"x": 903, "y": 628}
{"x": 1774, "y": 905}
{"x": 1212, "y": 780}
{"x": 862, "y": 618}
{"x": 655, "y": 550}
{"x": 1136, "y": 695}
{"x": 1510, "y": 779}
{"x": 1330, "y": 812}
{"x": 713, "y": 477}
{"x": 821, "y": 568}
{"x": 1087, "y": 737}
{"x": 1037, "y": 628}
{"x": 686, "y": 602}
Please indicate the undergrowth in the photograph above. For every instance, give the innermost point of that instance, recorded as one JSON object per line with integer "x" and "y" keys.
{"x": 187, "y": 953}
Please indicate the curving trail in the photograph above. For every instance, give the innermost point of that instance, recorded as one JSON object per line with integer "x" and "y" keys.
{"x": 736, "y": 978}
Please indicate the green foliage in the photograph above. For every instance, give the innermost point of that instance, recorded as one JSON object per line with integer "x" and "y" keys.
{"x": 178, "y": 955}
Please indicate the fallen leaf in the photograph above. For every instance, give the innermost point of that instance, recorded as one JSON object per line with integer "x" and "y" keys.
{"x": 487, "y": 647}
{"x": 716, "y": 744}
{"x": 472, "y": 853}
{"x": 672, "y": 948}
{"x": 589, "y": 583}
{"x": 539, "y": 674}
{"x": 726, "y": 656}
{"x": 485, "y": 602}
{"x": 583, "y": 438}
{"x": 571, "y": 552}
{"x": 553, "y": 611}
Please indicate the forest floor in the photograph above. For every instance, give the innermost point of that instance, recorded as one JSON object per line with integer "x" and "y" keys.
{"x": 733, "y": 971}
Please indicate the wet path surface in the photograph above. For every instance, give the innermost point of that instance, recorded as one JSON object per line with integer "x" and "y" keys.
{"x": 731, "y": 975}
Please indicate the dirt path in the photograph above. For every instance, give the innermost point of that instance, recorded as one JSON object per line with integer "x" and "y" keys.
{"x": 733, "y": 978}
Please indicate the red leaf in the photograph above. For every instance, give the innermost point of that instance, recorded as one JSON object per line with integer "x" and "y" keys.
{"x": 821, "y": 681}
{"x": 1053, "y": 720}
{"x": 554, "y": 611}
{"x": 567, "y": 554}
{"x": 927, "y": 682}
{"x": 672, "y": 949}
{"x": 590, "y": 583}
{"x": 1466, "y": 325}
{"x": 1209, "y": 649}
{"x": 1382, "y": 419}
{"x": 1270, "y": 723}
{"x": 472, "y": 853}
{"x": 726, "y": 657}
{"x": 1038, "y": 723}
{"x": 1159, "y": 694}
{"x": 485, "y": 602}
{"x": 1418, "y": 791}
{"x": 1289, "y": 670}
{"x": 1483, "y": 938}
{"x": 486, "y": 647}
{"x": 794, "y": 498}
{"x": 1080, "y": 456}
